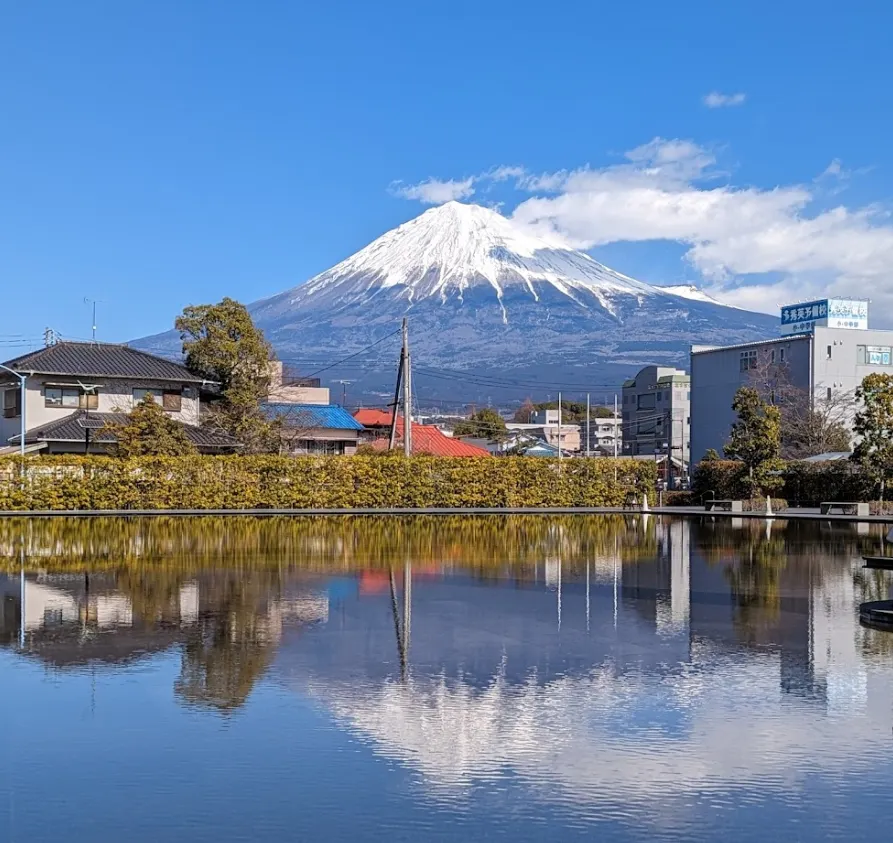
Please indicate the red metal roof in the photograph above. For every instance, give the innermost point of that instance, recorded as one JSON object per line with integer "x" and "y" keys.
{"x": 376, "y": 418}
{"x": 426, "y": 438}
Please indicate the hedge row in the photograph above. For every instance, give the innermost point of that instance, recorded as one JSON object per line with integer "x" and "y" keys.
{"x": 247, "y": 482}
{"x": 804, "y": 483}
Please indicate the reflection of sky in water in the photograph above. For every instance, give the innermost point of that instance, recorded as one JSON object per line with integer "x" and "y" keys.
{"x": 665, "y": 714}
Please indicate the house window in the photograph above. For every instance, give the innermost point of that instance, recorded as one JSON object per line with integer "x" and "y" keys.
{"x": 70, "y": 397}
{"x": 829, "y": 352}
{"x": 170, "y": 399}
{"x": 772, "y": 355}
{"x": 12, "y": 403}
{"x": 748, "y": 360}
{"x": 781, "y": 353}
{"x": 873, "y": 355}
{"x": 829, "y": 393}
{"x": 320, "y": 448}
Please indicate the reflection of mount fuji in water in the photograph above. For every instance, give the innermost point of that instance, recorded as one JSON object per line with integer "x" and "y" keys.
{"x": 682, "y": 659}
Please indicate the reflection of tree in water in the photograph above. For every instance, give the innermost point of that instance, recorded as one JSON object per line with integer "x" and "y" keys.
{"x": 234, "y": 640}
{"x": 476, "y": 543}
{"x": 153, "y": 593}
{"x": 755, "y": 580}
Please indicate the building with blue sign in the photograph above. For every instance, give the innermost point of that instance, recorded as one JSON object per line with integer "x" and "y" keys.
{"x": 825, "y": 349}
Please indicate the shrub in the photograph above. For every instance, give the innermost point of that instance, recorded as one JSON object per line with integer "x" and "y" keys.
{"x": 250, "y": 482}
{"x": 726, "y": 479}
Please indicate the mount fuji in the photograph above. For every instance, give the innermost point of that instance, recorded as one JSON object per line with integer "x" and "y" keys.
{"x": 515, "y": 313}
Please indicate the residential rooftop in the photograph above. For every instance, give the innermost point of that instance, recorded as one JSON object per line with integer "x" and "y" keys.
{"x": 101, "y": 360}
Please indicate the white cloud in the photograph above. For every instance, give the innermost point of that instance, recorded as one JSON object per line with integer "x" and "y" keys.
{"x": 735, "y": 236}
{"x": 503, "y": 173}
{"x": 717, "y": 100}
{"x": 664, "y": 192}
{"x": 435, "y": 192}
{"x": 835, "y": 168}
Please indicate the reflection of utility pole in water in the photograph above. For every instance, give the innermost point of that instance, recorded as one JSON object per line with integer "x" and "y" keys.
{"x": 587, "y": 595}
{"x": 615, "y": 581}
{"x": 402, "y": 633}
{"x": 22, "y": 596}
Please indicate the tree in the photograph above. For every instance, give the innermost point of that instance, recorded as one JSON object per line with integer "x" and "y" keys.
{"x": 524, "y": 412}
{"x": 486, "y": 422}
{"x": 756, "y": 440}
{"x": 810, "y": 423}
{"x": 150, "y": 432}
{"x": 815, "y": 431}
{"x": 222, "y": 343}
{"x": 874, "y": 426}
{"x": 572, "y": 412}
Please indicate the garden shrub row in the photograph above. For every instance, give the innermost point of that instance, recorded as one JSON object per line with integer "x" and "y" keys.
{"x": 251, "y": 482}
{"x": 805, "y": 484}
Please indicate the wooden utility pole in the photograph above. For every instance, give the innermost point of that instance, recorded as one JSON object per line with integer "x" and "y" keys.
{"x": 588, "y": 430}
{"x": 407, "y": 392}
{"x": 396, "y": 405}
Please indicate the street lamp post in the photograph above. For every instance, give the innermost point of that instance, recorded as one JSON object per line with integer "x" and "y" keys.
{"x": 22, "y": 378}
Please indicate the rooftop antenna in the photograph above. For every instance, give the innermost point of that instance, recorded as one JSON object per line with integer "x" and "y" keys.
{"x": 344, "y": 385}
{"x": 94, "y": 302}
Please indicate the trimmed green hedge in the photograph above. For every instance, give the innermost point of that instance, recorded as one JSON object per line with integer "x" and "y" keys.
{"x": 250, "y": 482}
{"x": 805, "y": 484}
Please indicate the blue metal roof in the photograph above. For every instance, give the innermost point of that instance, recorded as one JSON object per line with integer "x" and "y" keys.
{"x": 330, "y": 416}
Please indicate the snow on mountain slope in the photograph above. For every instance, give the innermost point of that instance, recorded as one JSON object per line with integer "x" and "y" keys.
{"x": 693, "y": 292}
{"x": 482, "y": 293}
{"x": 453, "y": 247}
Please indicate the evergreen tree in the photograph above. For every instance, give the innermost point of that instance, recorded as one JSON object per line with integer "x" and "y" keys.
{"x": 222, "y": 343}
{"x": 874, "y": 426}
{"x": 484, "y": 423}
{"x": 756, "y": 440}
{"x": 150, "y": 432}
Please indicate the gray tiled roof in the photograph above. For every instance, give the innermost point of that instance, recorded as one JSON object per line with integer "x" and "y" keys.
{"x": 73, "y": 428}
{"x": 104, "y": 360}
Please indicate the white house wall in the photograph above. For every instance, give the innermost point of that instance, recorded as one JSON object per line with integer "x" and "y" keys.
{"x": 114, "y": 396}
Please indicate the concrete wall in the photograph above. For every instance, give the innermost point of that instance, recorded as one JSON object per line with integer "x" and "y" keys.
{"x": 645, "y": 402}
{"x": 828, "y": 359}
{"x": 841, "y": 371}
{"x": 716, "y": 376}
{"x": 113, "y": 396}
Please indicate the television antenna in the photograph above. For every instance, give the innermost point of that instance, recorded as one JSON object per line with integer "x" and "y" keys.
{"x": 344, "y": 385}
{"x": 94, "y": 302}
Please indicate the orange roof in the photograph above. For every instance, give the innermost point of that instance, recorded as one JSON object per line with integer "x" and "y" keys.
{"x": 426, "y": 438}
{"x": 376, "y": 418}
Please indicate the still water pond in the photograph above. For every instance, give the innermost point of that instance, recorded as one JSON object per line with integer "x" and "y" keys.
{"x": 441, "y": 679}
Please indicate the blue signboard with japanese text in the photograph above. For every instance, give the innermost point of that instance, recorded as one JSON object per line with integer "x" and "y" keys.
{"x": 832, "y": 313}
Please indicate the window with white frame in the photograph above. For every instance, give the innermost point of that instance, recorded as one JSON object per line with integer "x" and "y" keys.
{"x": 70, "y": 397}
{"x": 748, "y": 360}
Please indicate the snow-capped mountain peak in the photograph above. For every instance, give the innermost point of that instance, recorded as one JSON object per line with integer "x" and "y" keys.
{"x": 483, "y": 292}
{"x": 450, "y": 248}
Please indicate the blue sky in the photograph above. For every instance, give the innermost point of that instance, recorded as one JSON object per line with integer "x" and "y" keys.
{"x": 156, "y": 154}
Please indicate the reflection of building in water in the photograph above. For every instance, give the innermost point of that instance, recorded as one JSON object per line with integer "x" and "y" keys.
{"x": 660, "y": 588}
{"x": 72, "y": 619}
{"x": 836, "y": 640}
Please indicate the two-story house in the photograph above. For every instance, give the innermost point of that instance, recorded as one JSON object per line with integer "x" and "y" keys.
{"x": 74, "y": 389}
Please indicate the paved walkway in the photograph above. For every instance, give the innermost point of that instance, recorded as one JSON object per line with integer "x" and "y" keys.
{"x": 802, "y": 514}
